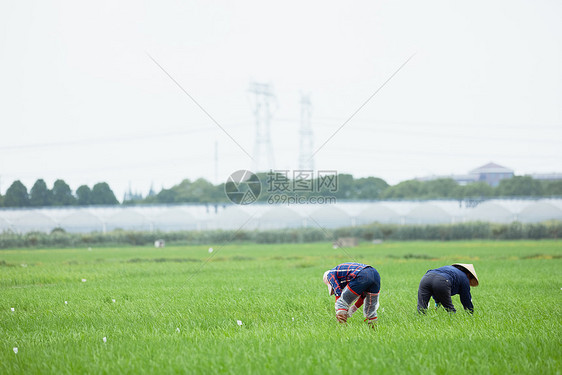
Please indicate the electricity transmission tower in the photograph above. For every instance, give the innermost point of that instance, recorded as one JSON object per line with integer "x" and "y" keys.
{"x": 263, "y": 149}
{"x": 306, "y": 147}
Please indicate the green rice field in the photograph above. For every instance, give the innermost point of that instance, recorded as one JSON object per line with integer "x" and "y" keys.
{"x": 255, "y": 309}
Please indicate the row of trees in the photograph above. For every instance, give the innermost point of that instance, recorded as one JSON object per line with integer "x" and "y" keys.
{"x": 370, "y": 188}
{"x": 342, "y": 187}
{"x": 60, "y": 195}
{"x": 518, "y": 186}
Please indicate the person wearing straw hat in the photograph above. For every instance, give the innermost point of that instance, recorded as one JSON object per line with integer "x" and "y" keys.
{"x": 354, "y": 284}
{"x": 444, "y": 282}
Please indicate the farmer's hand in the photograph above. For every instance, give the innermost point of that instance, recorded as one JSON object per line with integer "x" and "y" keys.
{"x": 342, "y": 316}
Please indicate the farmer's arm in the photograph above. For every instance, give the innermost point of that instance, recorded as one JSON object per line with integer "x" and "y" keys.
{"x": 357, "y": 305}
{"x": 466, "y": 298}
{"x": 342, "y": 304}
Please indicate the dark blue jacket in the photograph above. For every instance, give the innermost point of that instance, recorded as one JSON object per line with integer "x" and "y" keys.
{"x": 459, "y": 284}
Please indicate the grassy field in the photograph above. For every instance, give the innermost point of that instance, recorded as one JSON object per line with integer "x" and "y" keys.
{"x": 176, "y": 310}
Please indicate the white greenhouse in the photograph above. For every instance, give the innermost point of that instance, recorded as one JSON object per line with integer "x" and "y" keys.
{"x": 4, "y": 225}
{"x": 540, "y": 211}
{"x": 427, "y": 213}
{"x": 128, "y": 220}
{"x": 81, "y": 221}
{"x": 265, "y": 216}
{"x": 377, "y": 213}
{"x": 278, "y": 217}
{"x": 233, "y": 218}
{"x": 329, "y": 216}
{"x": 490, "y": 211}
{"x": 34, "y": 221}
{"x": 174, "y": 219}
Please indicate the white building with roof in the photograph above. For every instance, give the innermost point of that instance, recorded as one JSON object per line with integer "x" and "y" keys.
{"x": 490, "y": 173}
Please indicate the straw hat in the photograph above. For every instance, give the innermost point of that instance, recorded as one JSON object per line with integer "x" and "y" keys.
{"x": 325, "y": 278}
{"x": 470, "y": 269}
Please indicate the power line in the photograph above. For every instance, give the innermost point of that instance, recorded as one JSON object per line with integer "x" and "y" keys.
{"x": 115, "y": 139}
{"x": 376, "y": 127}
{"x": 198, "y": 105}
{"x": 362, "y": 105}
{"x": 455, "y": 136}
{"x": 358, "y": 152}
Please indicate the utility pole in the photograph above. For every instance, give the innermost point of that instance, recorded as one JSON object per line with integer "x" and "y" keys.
{"x": 306, "y": 146}
{"x": 263, "y": 149}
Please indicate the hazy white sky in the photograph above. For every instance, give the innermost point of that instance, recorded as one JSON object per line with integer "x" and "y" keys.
{"x": 81, "y": 100}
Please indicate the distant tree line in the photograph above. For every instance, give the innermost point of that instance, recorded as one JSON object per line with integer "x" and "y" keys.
{"x": 60, "y": 195}
{"x": 345, "y": 187}
{"x": 202, "y": 191}
{"x": 518, "y": 186}
{"x": 368, "y": 188}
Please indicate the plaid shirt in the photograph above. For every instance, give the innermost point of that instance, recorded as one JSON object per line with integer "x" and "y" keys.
{"x": 341, "y": 275}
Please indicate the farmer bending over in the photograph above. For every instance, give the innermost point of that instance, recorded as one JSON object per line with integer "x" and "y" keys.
{"x": 354, "y": 282}
{"x": 444, "y": 282}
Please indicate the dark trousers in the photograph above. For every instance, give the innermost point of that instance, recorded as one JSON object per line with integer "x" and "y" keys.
{"x": 367, "y": 280}
{"x": 438, "y": 287}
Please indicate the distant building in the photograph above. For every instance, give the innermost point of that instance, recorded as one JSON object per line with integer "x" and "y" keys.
{"x": 490, "y": 173}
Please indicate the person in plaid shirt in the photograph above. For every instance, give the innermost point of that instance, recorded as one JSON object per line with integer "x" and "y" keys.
{"x": 354, "y": 284}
